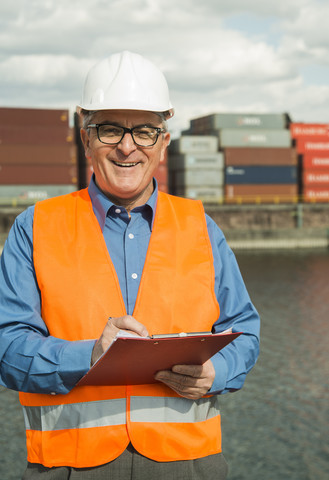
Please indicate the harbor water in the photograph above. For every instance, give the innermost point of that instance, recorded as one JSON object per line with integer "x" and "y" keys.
{"x": 276, "y": 427}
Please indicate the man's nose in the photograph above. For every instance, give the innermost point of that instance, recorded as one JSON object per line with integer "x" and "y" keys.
{"x": 127, "y": 144}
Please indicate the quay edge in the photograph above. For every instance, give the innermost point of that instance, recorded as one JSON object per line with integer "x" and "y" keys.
{"x": 285, "y": 226}
{"x": 249, "y": 227}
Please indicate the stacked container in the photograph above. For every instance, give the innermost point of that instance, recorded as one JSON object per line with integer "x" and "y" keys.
{"x": 312, "y": 144}
{"x": 37, "y": 155}
{"x": 161, "y": 175}
{"x": 260, "y": 164}
{"x": 196, "y": 168}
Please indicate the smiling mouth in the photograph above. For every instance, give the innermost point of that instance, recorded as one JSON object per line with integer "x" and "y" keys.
{"x": 126, "y": 164}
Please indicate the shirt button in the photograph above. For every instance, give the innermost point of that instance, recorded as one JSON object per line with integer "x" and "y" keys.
{"x": 52, "y": 393}
{"x": 117, "y": 210}
{"x": 134, "y": 276}
{"x": 131, "y": 235}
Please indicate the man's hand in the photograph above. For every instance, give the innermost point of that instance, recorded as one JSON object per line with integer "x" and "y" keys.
{"x": 110, "y": 331}
{"x": 189, "y": 381}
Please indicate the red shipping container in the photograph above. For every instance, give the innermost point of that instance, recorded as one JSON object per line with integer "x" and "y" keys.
{"x": 260, "y": 156}
{"x": 161, "y": 174}
{"x": 299, "y": 130}
{"x": 34, "y": 116}
{"x": 262, "y": 193}
{"x": 316, "y": 160}
{"x": 315, "y": 177}
{"x": 163, "y": 187}
{"x": 22, "y": 174}
{"x": 65, "y": 154}
{"x": 317, "y": 194}
{"x": 305, "y": 145}
{"x": 35, "y": 135}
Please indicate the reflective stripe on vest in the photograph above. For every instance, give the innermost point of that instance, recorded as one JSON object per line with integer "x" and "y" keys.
{"x": 76, "y": 415}
{"x": 172, "y": 409}
{"x": 113, "y": 412}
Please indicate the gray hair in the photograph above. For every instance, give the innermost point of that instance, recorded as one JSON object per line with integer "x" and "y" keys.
{"x": 87, "y": 116}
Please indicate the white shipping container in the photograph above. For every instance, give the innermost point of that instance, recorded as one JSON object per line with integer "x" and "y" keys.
{"x": 194, "y": 143}
{"x": 199, "y": 177}
{"x": 206, "y": 194}
{"x": 196, "y": 161}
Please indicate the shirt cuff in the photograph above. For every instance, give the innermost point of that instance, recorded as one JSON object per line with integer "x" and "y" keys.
{"x": 76, "y": 360}
{"x": 221, "y": 370}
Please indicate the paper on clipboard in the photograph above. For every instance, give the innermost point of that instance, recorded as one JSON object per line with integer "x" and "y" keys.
{"x": 132, "y": 360}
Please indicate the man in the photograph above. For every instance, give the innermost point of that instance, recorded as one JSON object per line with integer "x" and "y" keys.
{"x": 120, "y": 255}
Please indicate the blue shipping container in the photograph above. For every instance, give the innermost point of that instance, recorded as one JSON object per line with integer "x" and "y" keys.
{"x": 261, "y": 174}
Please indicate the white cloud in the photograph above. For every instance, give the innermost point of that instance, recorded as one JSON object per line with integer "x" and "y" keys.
{"x": 217, "y": 55}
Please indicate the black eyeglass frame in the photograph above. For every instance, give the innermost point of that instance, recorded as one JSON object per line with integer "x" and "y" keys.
{"x": 127, "y": 130}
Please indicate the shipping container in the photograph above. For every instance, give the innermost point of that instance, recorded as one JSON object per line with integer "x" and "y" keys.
{"x": 196, "y": 161}
{"x": 34, "y": 116}
{"x": 240, "y": 120}
{"x": 163, "y": 187}
{"x": 260, "y": 175}
{"x": 20, "y": 174}
{"x": 65, "y": 154}
{"x": 316, "y": 194}
{"x": 15, "y": 195}
{"x": 315, "y": 177}
{"x": 316, "y": 160}
{"x": 35, "y": 135}
{"x": 198, "y": 178}
{"x": 161, "y": 175}
{"x": 194, "y": 144}
{"x": 309, "y": 145}
{"x": 260, "y": 156}
{"x": 251, "y": 138}
{"x": 206, "y": 194}
{"x": 277, "y": 193}
{"x": 299, "y": 130}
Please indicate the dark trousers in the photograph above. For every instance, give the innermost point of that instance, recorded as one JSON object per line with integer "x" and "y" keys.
{"x": 133, "y": 466}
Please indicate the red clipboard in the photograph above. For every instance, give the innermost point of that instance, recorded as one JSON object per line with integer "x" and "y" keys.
{"x": 135, "y": 360}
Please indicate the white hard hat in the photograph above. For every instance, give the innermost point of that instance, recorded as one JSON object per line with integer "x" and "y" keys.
{"x": 126, "y": 81}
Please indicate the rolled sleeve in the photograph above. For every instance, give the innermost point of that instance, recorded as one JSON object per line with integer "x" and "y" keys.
{"x": 237, "y": 312}
{"x": 31, "y": 360}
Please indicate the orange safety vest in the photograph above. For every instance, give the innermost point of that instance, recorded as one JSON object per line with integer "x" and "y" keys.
{"x": 79, "y": 290}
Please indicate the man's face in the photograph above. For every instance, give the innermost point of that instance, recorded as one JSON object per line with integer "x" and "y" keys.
{"x": 124, "y": 171}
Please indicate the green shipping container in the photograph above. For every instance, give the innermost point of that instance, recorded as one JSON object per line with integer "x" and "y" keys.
{"x": 240, "y": 120}
{"x": 230, "y": 137}
{"x": 25, "y": 195}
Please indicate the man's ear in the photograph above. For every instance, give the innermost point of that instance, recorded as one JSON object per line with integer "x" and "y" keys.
{"x": 166, "y": 143}
{"x": 86, "y": 142}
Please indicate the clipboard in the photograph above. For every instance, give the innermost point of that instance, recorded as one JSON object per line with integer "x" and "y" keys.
{"x": 132, "y": 360}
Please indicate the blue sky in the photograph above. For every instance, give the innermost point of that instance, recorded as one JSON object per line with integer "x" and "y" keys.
{"x": 218, "y": 56}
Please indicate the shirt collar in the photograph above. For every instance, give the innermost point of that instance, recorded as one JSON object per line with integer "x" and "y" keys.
{"x": 101, "y": 204}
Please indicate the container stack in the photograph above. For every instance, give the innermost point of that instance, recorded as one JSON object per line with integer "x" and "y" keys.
{"x": 161, "y": 175}
{"x": 196, "y": 168}
{"x": 37, "y": 155}
{"x": 312, "y": 145}
{"x": 260, "y": 164}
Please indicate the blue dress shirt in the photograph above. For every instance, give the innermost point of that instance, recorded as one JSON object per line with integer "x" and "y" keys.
{"x": 33, "y": 361}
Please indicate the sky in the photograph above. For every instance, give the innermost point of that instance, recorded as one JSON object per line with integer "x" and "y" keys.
{"x": 242, "y": 56}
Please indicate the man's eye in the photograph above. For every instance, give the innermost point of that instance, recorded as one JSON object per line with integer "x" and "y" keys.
{"x": 144, "y": 132}
{"x": 110, "y": 131}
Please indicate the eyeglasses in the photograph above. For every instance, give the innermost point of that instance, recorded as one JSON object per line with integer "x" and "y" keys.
{"x": 142, "y": 135}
